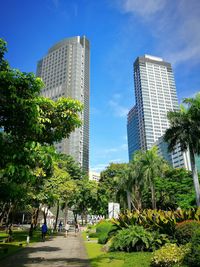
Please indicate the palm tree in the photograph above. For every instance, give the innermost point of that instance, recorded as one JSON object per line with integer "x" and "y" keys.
{"x": 185, "y": 131}
{"x": 152, "y": 167}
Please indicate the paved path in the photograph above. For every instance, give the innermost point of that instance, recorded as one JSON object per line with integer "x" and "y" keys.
{"x": 57, "y": 252}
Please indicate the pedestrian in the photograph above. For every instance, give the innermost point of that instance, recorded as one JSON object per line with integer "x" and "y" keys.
{"x": 76, "y": 228}
{"x": 67, "y": 226}
{"x": 44, "y": 231}
{"x": 60, "y": 227}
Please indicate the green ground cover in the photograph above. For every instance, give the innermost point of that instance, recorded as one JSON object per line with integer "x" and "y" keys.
{"x": 19, "y": 241}
{"x": 100, "y": 258}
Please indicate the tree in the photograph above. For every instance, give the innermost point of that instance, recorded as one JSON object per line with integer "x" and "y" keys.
{"x": 174, "y": 189}
{"x": 109, "y": 189}
{"x": 84, "y": 201}
{"x": 29, "y": 123}
{"x": 152, "y": 166}
{"x": 185, "y": 132}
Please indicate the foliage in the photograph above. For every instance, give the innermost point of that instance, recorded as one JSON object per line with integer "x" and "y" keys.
{"x": 185, "y": 231}
{"x": 156, "y": 220}
{"x": 175, "y": 189}
{"x": 193, "y": 257}
{"x": 29, "y": 123}
{"x": 184, "y": 132}
{"x": 152, "y": 166}
{"x": 109, "y": 189}
{"x": 103, "y": 230}
{"x": 135, "y": 238}
{"x": 169, "y": 255}
{"x": 84, "y": 201}
{"x": 99, "y": 258}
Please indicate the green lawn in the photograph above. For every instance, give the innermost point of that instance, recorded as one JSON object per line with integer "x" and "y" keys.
{"x": 99, "y": 258}
{"x": 19, "y": 241}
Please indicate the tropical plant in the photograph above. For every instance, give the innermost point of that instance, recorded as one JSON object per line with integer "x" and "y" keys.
{"x": 136, "y": 238}
{"x": 184, "y": 132}
{"x": 192, "y": 258}
{"x": 175, "y": 190}
{"x": 169, "y": 255}
{"x": 152, "y": 166}
{"x": 156, "y": 220}
{"x": 185, "y": 230}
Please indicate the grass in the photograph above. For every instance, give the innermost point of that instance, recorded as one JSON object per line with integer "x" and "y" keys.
{"x": 99, "y": 258}
{"x": 19, "y": 241}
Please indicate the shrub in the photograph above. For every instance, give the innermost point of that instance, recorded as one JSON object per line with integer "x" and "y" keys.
{"x": 103, "y": 226}
{"x": 136, "y": 238}
{"x": 157, "y": 220}
{"x": 185, "y": 230}
{"x": 93, "y": 235}
{"x": 104, "y": 230}
{"x": 169, "y": 255}
{"x": 193, "y": 257}
{"x": 103, "y": 238}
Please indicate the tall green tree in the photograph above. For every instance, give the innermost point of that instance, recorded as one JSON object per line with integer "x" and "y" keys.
{"x": 175, "y": 189}
{"x": 28, "y": 123}
{"x": 152, "y": 166}
{"x": 185, "y": 132}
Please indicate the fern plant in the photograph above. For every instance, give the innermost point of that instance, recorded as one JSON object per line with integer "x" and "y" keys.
{"x": 136, "y": 238}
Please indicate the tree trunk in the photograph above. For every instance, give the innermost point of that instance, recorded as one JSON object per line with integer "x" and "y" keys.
{"x": 128, "y": 200}
{"x": 57, "y": 213}
{"x": 2, "y": 215}
{"x": 195, "y": 177}
{"x": 36, "y": 218}
{"x": 66, "y": 214}
{"x": 153, "y": 197}
{"x": 8, "y": 213}
{"x": 138, "y": 198}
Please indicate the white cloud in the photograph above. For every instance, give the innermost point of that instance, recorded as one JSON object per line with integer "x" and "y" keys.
{"x": 143, "y": 7}
{"x": 99, "y": 167}
{"x": 174, "y": 24}
{"x": 118, "y": 109}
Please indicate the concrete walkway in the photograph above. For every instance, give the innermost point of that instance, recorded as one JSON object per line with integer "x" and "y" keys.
{"x": 57, "y": 252}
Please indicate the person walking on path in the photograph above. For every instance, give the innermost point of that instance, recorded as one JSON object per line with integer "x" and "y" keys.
{"x": 60, "y": 227}
{"x": 67, "y": 226}
{"x": 44, "y": 231}
{"x": 77, "y": 228}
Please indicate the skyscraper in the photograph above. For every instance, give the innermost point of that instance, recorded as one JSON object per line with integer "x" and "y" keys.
{"x": 155, "y": 95}
{"x": 65, "y": 72}
{"x": 133, "y": 132}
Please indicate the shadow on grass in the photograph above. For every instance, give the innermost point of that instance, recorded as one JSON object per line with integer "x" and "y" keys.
{"x": 106, "y": 260}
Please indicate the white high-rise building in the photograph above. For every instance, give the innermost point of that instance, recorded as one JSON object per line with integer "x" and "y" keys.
{"x": 155, "y": 94}
{"x": 65, "y": 72}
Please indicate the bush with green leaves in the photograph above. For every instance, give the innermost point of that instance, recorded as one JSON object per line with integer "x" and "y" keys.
{"x": 185, "y": 230}
{"x": 192, "y": 259}
{"x": 157, "y": 220}
{"x": 136, "y": 238}
{"x": 104, "y": 230}
{"x": 169, "y": 255}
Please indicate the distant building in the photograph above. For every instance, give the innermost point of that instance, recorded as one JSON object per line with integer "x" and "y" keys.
{"x": 94, "y": 176}
{"x": 65, "y": 72}
{"x": 177, "y": 158}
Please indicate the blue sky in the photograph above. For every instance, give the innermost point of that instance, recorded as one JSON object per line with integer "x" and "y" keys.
{"x": 118, "y": 31}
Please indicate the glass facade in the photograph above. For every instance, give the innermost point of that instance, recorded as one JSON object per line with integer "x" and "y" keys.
{"x": 133, "y": 134}
{"x": 65, "y": 72}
